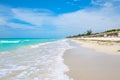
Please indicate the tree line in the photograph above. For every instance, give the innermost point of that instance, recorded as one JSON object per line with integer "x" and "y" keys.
{"x": 90, "y": 32}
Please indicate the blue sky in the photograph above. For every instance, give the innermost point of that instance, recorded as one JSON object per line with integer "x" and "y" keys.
{"x": 56, "y": 18}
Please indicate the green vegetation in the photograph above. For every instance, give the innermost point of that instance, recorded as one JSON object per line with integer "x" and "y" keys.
{"x": 112, "y": 30}
{"x": 89, "y": 32}
{"x": 118, "y": 50}
{"x": 79, "y": 35}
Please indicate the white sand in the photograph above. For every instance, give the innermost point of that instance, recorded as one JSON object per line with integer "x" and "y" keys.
{"x": 101, "y": 45}
{"x": 90, "y": 61}
{"x": 102, "y": 38}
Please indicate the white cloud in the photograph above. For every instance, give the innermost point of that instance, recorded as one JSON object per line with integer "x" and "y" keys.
{"x": 19, "y": 26}
{"x": 33, "y": 16}
{"x": 74, "y": 22}
{"x": 2, "y": 21}
{"x": 82, "y": 20}
{"x": 106, "y": 3}
{"x": 67, "y": 23}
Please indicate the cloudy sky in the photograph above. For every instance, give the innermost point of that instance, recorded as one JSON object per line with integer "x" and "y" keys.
{"x": 56, "y": 18}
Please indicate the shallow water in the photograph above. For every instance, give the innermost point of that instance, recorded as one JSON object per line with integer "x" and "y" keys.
{"x": 35, "y": 62}
{"x": 7, "y": 44}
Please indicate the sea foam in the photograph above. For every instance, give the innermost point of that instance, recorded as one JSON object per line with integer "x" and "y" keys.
{"x": 7, "y": 41}
{"x": 36, "y": 62}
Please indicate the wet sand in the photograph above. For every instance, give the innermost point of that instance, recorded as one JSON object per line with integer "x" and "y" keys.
{"x": 87, "y": 64}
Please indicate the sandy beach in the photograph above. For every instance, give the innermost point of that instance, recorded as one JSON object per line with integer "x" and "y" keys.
{"x": 103, "y": 45}
{"x": 93, "y": 60}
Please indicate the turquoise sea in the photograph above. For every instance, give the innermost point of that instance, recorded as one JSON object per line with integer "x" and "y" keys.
{"x": 7, "y": 44}
{"x": 33, "y": 59}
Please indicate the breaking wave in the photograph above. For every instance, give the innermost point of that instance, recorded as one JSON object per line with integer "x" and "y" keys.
{"x": 6, "y": 41}
{"x": 37, "y": 62}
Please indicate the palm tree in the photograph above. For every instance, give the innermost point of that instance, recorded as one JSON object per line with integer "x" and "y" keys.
{"x": 89, "y": 32}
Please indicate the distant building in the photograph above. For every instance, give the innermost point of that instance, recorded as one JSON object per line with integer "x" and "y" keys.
{"x": 112, "y": 34}
{"x": 119, "y": 34}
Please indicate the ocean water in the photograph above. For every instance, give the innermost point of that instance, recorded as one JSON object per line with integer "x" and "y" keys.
{"x": 35, "y": 60}
{"x": 14, "y": 43}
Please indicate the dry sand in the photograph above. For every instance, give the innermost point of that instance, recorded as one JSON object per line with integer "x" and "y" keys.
{"x": 88, "y": 63}
{"x": 109, "y": 47}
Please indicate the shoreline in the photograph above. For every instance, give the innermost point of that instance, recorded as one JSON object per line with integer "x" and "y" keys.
{"x": 86, "y": 62}
{"x": 41, "y": 62}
